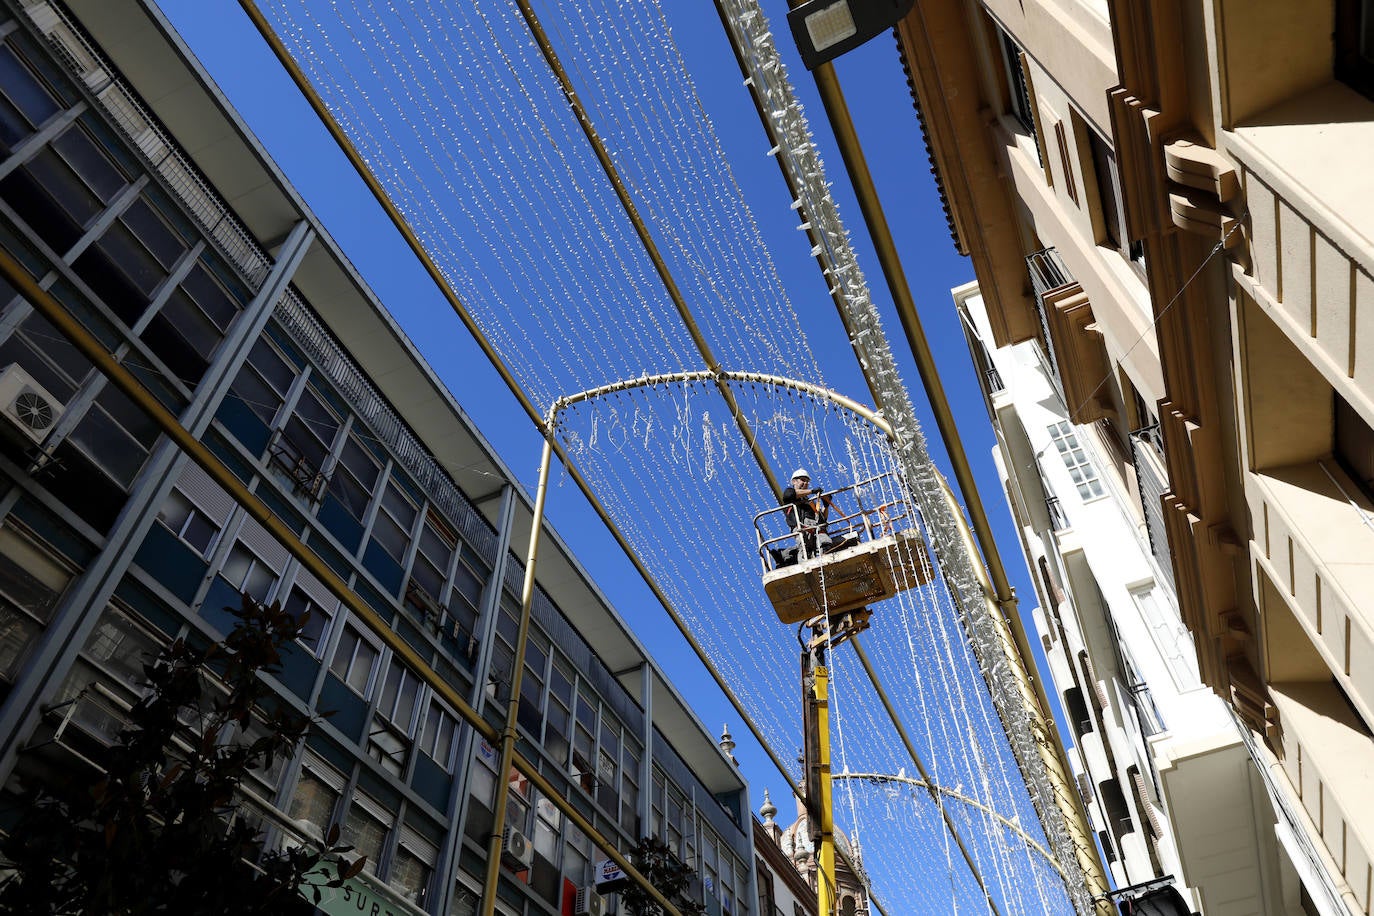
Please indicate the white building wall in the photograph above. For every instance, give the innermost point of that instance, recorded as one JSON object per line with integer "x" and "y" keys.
{"x": 1115, "y": 605}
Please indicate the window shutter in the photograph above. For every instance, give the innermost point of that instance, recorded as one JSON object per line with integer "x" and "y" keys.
{"x": 256, "y": 538}
{"x": 208, "y": 496}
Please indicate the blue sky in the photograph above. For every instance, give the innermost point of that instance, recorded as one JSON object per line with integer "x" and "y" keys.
{"x": 220, "y": 34}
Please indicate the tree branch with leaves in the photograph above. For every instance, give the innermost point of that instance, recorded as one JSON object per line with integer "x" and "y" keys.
{"x": 161, "y": 828}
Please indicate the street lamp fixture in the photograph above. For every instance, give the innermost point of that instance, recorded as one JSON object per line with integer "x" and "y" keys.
{"x": 825, "y": 29}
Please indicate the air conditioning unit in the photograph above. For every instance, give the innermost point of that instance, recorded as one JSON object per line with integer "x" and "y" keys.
{"x": 26, "y": 404}
{"x": 589, "y": 903}
{"x": 517, "y": 853}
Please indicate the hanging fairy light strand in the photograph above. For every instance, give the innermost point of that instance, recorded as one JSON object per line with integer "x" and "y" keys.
{"x": 457, "y": 116}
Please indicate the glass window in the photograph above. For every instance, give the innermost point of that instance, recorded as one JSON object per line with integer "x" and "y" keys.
{"x": 51, "y": 199}
{"x": 210, "y": 295}
{"x": 263, "y": 382}
{"x": 389, "y": 746}
{"x": 121, "y": 271}
{"x": 394, "y": 522}
{"x": 427, "y": 577}
{"x": 366, "y": 833}
{"x": 47, "y": 356}
{"x": 115, "y": 435}
{"x": 18, "y": 632}
{"x": 160, "y": 240}
{"x": 66, "y": 187}
{"x": 186, "y": 521}
{"x": 354, "y": 477}
{"x": 264, "y": 779}
{"x": 582, "y": 757}
{"x": 313, "y": 802}
{"x": 467, "y": 594}
{"x": 87, "y": 159}
{"x": 438, "y": 738}
{"x": 182, "y": 323}
{"x": 1109, "y": 190}
{"x": 629, "y": 797}
{"x": 355, "y": 660}
{"x": 26, "y": 600}
{"x": 121, "y": 648}
{"x": 411, "y": 871}
{"x": 27, "y": 102}
{"x": 577, "y": 854}
{"x": 399, "y": 693}
{"x": 312, "y": 427}
{"x": 249, "y": 573}
{"x": 1018, "y": 91}
{"x": 1076, "y": 460}
{"x": 437, "y": 543}
{"x": 531, "y": 710}
{"x": 316, "y": 631}
{"x": 556, "y": 730}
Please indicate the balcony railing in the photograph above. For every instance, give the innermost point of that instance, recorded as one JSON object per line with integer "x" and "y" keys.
{"x": 1048, "y": 273}
{"x": 995, "y": 383}
{"x": 1058, "y": 520}
{"x": 1151, "y": 434}
{"x": 1152, "y": 479}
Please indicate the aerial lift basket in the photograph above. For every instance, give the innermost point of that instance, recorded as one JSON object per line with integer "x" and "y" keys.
{"x": 848, "y": 562}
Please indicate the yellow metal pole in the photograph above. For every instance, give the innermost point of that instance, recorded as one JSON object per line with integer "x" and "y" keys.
{"x": 510, "y": 732}
{"x": 825, "y": 853}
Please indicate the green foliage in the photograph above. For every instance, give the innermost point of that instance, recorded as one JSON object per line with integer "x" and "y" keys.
{"x": 156, "y": 831}
{"x": 669, "y": 876}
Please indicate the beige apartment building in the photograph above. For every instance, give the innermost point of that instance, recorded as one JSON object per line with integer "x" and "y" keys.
{"x": 1172, "y": 199}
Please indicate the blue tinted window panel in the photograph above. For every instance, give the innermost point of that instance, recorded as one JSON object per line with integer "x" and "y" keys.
{"x": 243, "y": 425}
{"x": 172, "y": 563}
{"x": 431, "y": 782}
{"x": 299, "y": 670}
{"x": 348, "y": 709}
{"x": 384, "y": 569}
{"x": 217, "y": 604}
{"x": 339, "y": 522}
{"x": 148, "y": 607}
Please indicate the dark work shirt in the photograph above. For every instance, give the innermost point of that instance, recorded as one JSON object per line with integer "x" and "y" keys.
{"x": 796, "y": 505}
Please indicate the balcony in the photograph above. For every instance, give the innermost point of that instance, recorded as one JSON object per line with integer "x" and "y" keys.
{"x": 1147, "y": 449}
{"x": 1073, "y": 348}
{"x": 1048, "y": 274}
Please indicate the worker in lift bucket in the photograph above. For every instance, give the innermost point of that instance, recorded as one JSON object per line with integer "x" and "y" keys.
{"x": 808, "y": 508}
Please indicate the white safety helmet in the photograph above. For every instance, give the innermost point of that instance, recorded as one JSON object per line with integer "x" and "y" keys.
{"x": 800, "y": 472}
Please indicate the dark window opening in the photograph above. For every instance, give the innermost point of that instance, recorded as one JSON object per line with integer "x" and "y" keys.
{"x": 1354, "y": 45}
{"x": 1115, "y": 809}
{"x": 1077, "y": 709}
{"x": 1354, "y": 445}
{"x": 1018, "y": 91}
{"x": 1109, "y": 194}
{"x": 51, "y": 200}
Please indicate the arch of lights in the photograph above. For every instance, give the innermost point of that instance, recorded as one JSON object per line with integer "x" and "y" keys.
{"x": 472, "y": 138}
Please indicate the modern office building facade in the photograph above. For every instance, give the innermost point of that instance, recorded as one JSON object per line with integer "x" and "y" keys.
{"x": 139, "y": 202}
{"x": 1166, "y": 199}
